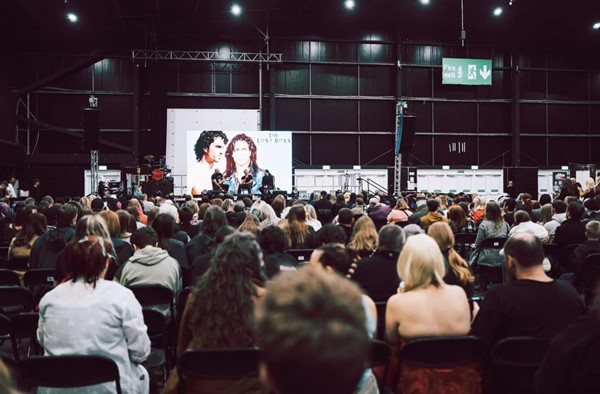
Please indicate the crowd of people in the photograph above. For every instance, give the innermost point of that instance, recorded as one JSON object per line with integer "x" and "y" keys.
{"x": 313, "y": 321}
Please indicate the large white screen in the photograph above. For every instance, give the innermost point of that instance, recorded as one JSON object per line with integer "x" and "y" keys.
{"x": 260, "y": 150}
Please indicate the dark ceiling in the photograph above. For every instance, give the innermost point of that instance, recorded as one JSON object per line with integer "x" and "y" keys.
{"x": 40, "y": 25}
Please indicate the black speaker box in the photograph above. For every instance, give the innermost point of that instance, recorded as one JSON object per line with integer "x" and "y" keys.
{"x": 519, "y": 180}
{"x": 165, "y": 187}
{"x": 91, "y": 128}
{"x": 408, "y": 133}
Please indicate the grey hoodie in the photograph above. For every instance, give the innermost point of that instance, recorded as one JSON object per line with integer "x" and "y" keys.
{"x": 150, "y": 266}
{"x": 553, "y": 224}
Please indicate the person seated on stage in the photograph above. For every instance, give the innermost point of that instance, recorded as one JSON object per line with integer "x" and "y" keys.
{"x": 217, "y": 181}
{"x": 268, "y": 183}
{"x": 246, "y": 182}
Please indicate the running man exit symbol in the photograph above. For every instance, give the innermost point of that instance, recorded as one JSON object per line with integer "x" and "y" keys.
{"x": 472, "y": 71}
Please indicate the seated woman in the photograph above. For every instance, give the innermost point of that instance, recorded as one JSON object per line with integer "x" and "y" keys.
{"x": 122, "y": 249}
{"x": 220, "y": 311}
{"x": 90, "y": 315}
{"x": 299, "y": 234}
{"x": 21, "y": 244}
{"x": 364, "y": 238}
{"x": 458, "y": 221}
{"x": 334, "y": 259}
{"x": 401, "y": 213}
{"x": 426, "y": 306}
{"x": 457, "y": 269}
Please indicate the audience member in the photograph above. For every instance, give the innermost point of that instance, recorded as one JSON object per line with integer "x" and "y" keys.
{"x": 202, "y": 263}
{"x": 149, "y": 265}
{"x": 572, "y": 230}
{"x": 433, "y": 215}
{"x": 559, "y": 209}
{"x": 523, "y": 224}
{"x": 299, "y": 234}
{"x": 311, "y": 216}
{"x": 204, "y": 242}
{"x": 364, "y": 239}
{"x": 457, "y": 270}
{"x": 378, "y": 212}
{"x": 250, "y": 225}
{"x": 359, "y": 207}
{"x": 571, "y": 362}
{"x": 91, "y": 315}
{"x": 20, "y": 246}
{"x": 45, "y": 251}
{"x": 273, "y": 242}
{"x": 459, "y": 222}
{"x": 376, "y": 274}
{"x": 219, "y": 312}
{"x": 591, "y": 245}
{"x": 345, "y": 220}
{"x": 163, "y": 225}
{"x": 334, "y": 259}
{"x": 531, "y": 303}
{"x": 493, "y": 226}
{"x": 123, "y": 250}
{"x": 331, "y": 233}
{"x": 400, "y": 213}
{"x": 413, "y": 229}
{"x": 311, "y": 329}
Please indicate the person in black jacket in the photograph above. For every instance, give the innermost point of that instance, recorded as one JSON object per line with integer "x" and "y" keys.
{"x": 47, "y": 248}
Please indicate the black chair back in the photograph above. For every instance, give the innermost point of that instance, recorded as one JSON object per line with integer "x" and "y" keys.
{"x": 302, "y": 256}
{"x": 492, "y": 243}
{"x": 160, "y": 354}
{"x": 381, "y": 308}
{"x": 18, "y": 263}
{"x": 24, "y": 325}
{"x": 566, "y": 262}
{"x": 227, "y": 364}
{"x": 149, "y": 296}
{"x": 35, "y": 277}
{"x": 514, "y": 362}
{"x": 15, "y": 299}
{"x": 443, "y": 351}
{"x": 69, "y": 371}
{"x": 9, "y": 278}
{"x": 463, "y": 242}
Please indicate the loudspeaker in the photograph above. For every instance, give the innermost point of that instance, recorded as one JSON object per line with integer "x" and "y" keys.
{"x": 91, "y": 128}
{"x": 164, "y": 187}
{"x": 408, "y": 133}
{"x": 275, "y": 193}
{"x": 519, "y": 180}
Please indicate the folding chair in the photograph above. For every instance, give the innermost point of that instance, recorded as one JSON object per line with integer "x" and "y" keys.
{"x": 39, "y": 281}
{"x": 69, "y": 371}
{"x": 221, "y": 364}
{"x": 18, "y": 264}
{"x": 463, "y": 242}
{"x": 9, "y": 278}
{"x": 514, "y": 363}
{"x": 552, "y": 253}
{"x": 565, "y": 262}
{"x": 182, "y": 299}
{"x": 301, "y": 255}
{"x": 454, "y": 364}
{"x": 379, "y": 356}
{"x": 160, "y": 355}
{"x": 381, "y": 308}
{"x": 156, "y": 297}
{"x": 24, "y": 326}
{"x": 15, "y": 299}
{"x": 490, "y": 274}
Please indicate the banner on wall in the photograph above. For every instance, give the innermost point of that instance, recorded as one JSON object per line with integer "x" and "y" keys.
{"x": 230, "y": 153}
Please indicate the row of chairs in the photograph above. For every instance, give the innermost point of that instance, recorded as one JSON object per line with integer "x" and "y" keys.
{"x": 514, "y": 361}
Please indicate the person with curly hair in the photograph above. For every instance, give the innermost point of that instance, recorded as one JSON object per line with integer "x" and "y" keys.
{"x": 219, "y": 312}
{"x": 240, "y": 155}
{"x": 209, "y": 150}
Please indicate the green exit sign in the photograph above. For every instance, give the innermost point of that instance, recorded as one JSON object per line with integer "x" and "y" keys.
{"x": 466, "y": 71}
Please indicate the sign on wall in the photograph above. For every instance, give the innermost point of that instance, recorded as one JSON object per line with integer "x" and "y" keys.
{"x": 457, "y": 71}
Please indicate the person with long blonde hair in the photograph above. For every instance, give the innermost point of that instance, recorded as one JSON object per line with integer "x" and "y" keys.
{"x": 457, "y": 269}
{"x": 364, "y": 240}
{"x": 425, "y": 304}
{"x": 298, "y": 233}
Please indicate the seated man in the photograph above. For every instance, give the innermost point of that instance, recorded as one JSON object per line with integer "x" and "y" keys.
{"x": 268, "y": 183}
{"x": 592, "y": 245}
{"x": 311, "y": 328}
{"x": 523, "y": 224}
{"x": 217, "y": 181}
{"x": 433, "y": 215}
{"x": 149, "y": 265}
{"x": 531, "y": 303}
{"x": 246, "y": 182}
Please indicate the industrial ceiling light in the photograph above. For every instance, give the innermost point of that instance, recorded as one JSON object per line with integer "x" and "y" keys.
{"x": 236, "y": 10}
{"x": 72, "y": 17}
{"x": 596, "y": 26}
{"x": 349, "y": 4}
{"x": 498, "y": 11}
{"x": 424, "y": 2}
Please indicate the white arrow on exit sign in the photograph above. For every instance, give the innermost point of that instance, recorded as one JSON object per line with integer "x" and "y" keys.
{"x": 485, "y": 73}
